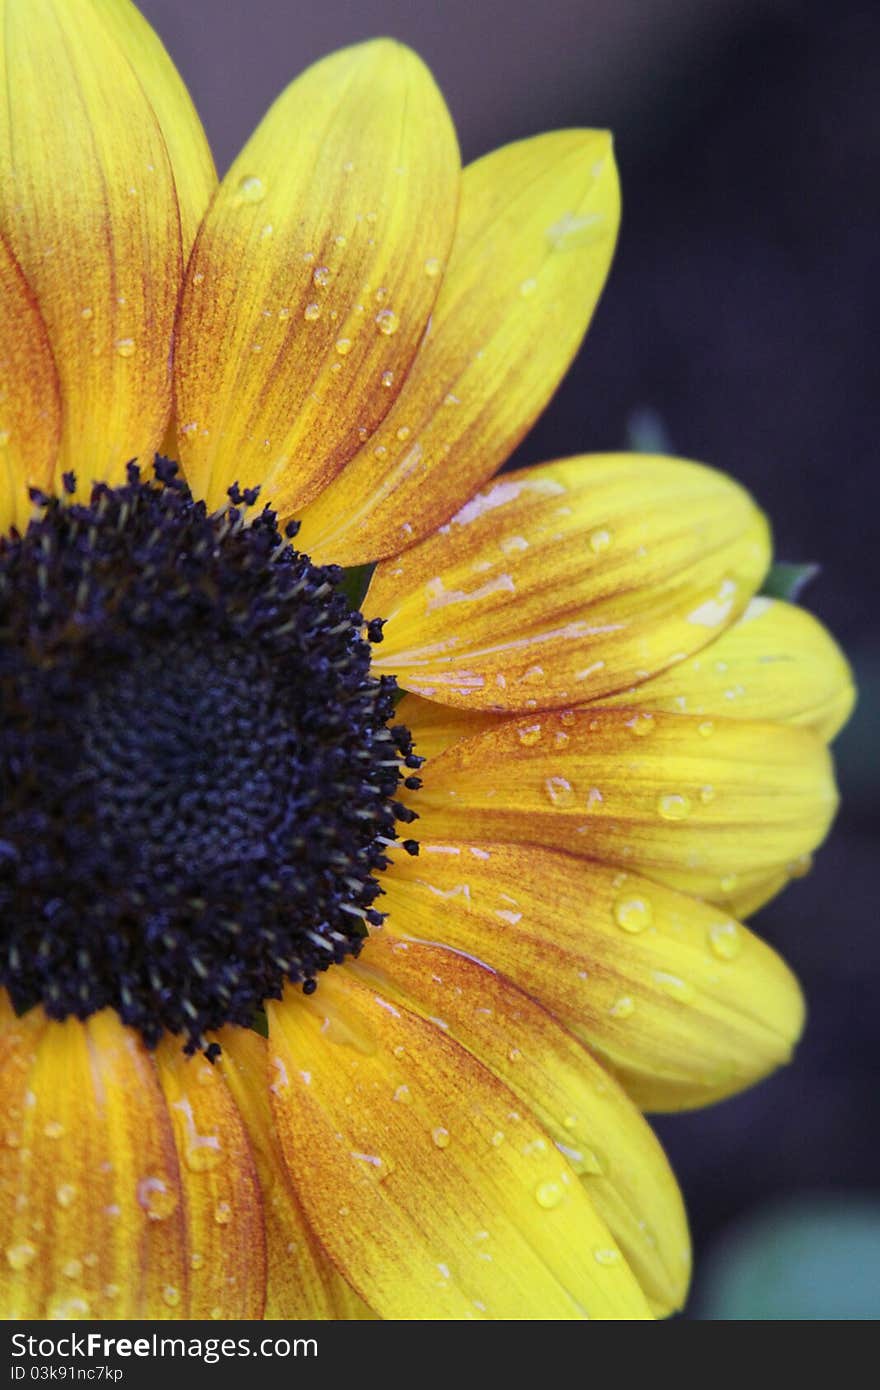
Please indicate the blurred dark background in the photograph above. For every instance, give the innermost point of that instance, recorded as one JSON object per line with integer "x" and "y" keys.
{"x": 743, "y": 309}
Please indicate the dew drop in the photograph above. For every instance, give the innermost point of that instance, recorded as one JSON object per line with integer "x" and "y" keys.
{"x": 606, "y": 1257}
{"x": 312, "y": 311}
{"x": 387, "y": 379}
{"x": 528, "y": 287}
{"x": 321, "y": 276}
{"x": 432, "y": 267}
{"x": 251, "y": 189}
{"x": 223, "y": 1213}
{"x": 343, "y": 346}
{"x": 156, "y": 1198}
{"x": 673, "y": 806}
{"x": 387, "y": 322}
{"x": 728, "y": 883}
{"x": 624, "y": 1007}
{"x": 21, "y": 1255}
{"x": 529, "y": 735}
{"x": 124, "y": 347}
{"x": 440, "y": 1137}
{"x": 403, "y": 1095}
{"x": 725, "y": 939}
{"x": 171, "y": 1295}
{"x": 706, "y": 728}
{"x": 633, "y": 914}
{"x": 65, "y": 1194}
{"x": 641, "y": 725}
{"x": 73, "y": 1269}
{"x": 86, "y": 313}
{"x": 600, "y": 540}
{"x": 64, "y": 1309}
{"x": 111, "y": 1291}
{"x": 559, "y": 791}
{"x": 707, "y": 794}
{"x": 674, "y": 986}
{"x": 53, "y": 1129}
{"x": 549, "y": 1194}
{"x": 196, "y": 1260}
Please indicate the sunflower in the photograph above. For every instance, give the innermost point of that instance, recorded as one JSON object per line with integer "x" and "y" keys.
{"x": 316, "y": 1003}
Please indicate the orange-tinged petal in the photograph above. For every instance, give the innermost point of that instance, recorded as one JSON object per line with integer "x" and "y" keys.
{"x": 90, "y": 1209}
{"x": 30, "y": 403}
{"x": 88, "y": 204}
{"x": 688, "y": 801}
{"x": 301, "y": 1282}
{"x": 535, "y": 236}
{"x": 409, "y": 1196}
{"x": 558, "y": 583}
{"x": 310, "y": 282}
{"x": 222, "y": 1202}
{"x": 586, "y": 1114}
{"x": 682, "y": 1003}
{"x": 191, "y": 160}
{"x": 435, "y": 726}
{"x": 777, "y": 662}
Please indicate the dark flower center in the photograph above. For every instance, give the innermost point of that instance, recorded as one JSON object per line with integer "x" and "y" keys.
{"x": 198, "y": 774}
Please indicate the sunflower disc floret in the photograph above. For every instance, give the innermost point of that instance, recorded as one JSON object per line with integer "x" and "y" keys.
{"x": 198, "y": 775}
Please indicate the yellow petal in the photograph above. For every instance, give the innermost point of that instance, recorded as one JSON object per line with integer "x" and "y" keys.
{"x": 409, "y": 1197}
{"x": 435, "y": 726}
{"x": 30, "y": 403}
{"x": 535, "y": 236}
{"x": 688, "y": 801}
{"x": 301, "y": 1281}
{"x": 308, "y": 285}
{"x": 191, "y": 159}
{"x": 87, "y": 201}
{"x": 90, "y": 1203}
{"x": 221, "y": 1195}
{"x": 682, "y": 1003}
{"x": 559, "y": 583}
{"x": 586, "y": 1114}
{"x": 777, "y": 662}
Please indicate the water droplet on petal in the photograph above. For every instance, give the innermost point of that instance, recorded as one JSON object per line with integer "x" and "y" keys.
{"x": 706, "y": 729}
{"x": 559, "y": 791}
{"x": 125, "y": 347}
{"x": 600, "y": 540}
{"x": 606, "y": 1257}
{"x": 387, "y": 322}
{"x": 624, "y": 1007}
{"x": 311, "y": 312}
{"x": 20, "y": 1256}
{"x": 156, "y": 1198}
{"x": 725, "y": 939}
{"x": 343, "y": 346}
{"x": 529, "y": 735}
{"x": 440, "y": 1137}
{"x": 387, "y": 379}
{"x": 549, "y": 1194}
{"x": 403, "y": 1095}
{"x": 633, "y": 913}
{"x": 65, "y": 1194}
{"x": 673, "y": 806}
{"x": 432, "y": 267}
{"x": 641, "y": 725}
{"x": 223, "y": 1213}
{"x": 251, "y": 189}
{"x": 674, "y": 986}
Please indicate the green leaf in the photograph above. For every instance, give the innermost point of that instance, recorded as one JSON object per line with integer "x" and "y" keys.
{"x": 355, "y": 582}
{"x": 788, "y": 581}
